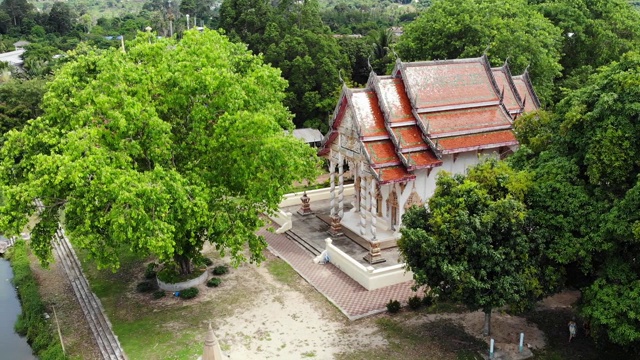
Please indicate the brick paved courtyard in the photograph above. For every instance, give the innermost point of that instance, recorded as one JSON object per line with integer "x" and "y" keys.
{"x": 345, "y": 293}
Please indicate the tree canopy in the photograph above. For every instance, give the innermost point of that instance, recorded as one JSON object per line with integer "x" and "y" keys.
{"x": 158, "y": 150}
{"x": 584, "y": 204}
{"x": 292, "y": 38}
{"x": 470, "y": 245}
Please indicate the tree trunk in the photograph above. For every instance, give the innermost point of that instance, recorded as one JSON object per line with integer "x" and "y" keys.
{"x": 487, "y": 323}
{"x": 184, "y": 264}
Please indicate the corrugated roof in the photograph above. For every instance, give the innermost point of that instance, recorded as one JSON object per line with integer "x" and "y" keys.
{"x": 308, "y": 135}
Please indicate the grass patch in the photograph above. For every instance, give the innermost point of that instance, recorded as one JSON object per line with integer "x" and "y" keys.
{"x": 40, "y": 333}
{"x": 163, "y": 328}
{"x": 283, "y": 272}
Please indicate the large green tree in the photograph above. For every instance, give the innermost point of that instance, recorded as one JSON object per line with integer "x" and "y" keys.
{"x": 585, "y": 200}
{"x": 159, "y": 149}
{"x": 451, "y": 29}
{"x": 595, "y": 32}
{"x": 19, "y": 102}
{"x": 292, "y": 38}
{"x": 470, "y": 245}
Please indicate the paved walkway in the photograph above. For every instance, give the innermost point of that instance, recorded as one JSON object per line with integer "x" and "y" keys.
{"x": 345, "y": 293}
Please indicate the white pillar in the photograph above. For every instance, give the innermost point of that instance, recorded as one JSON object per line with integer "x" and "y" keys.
{"x": 363, "y": 206}
{"x": 341, "y": 186}
{"x": 374, "y": 208}
{"x": 332, "y": 191}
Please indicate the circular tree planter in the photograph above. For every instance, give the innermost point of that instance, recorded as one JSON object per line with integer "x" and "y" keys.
{"x": 185, "y": 284}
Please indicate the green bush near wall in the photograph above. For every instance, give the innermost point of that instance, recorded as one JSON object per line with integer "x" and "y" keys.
{"x": 31, "y": 323}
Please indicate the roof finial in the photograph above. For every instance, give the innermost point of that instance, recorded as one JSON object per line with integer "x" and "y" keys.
{"x": 340, "y": 77}
{"x": 395, "y": 53}
{"x": 369, "y": 63}
{"x": 486, "y": 50}
{"x": 506, "y": 61}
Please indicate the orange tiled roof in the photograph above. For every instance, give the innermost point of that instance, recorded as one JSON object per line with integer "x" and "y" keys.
{"x": 526, "y": 92}
{"x": 368, "y": 114}
{"x": 511, "y": 99}
{"x": 409, "y": 137}
{"x": 393, "y": 174}
{"x": 422, "y": 159}
{"x": 488, "y": 140}
{"x": 381, "y": 153}
{"x": 449, "y": 83}
{"x": 395, "y": 101}
{"x": 454, "y": 122}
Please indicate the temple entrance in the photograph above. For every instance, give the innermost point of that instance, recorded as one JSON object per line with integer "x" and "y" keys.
{"x": 392, "y": 204}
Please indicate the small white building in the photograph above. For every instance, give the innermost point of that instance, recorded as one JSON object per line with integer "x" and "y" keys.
{"x": 399, "y": 131}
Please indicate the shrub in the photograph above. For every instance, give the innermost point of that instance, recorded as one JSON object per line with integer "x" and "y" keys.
{"x": 150, "y": 272}
{"x": 207, "y": 261}
{"x": 427, "y": 300}
{"x": 393, "y": 306}
{"x": 170, "y": 274}
{"x": 189, "y": 293}
{"x": 220, "y": 270}
{"x": 145, "y": 286}
{"x": 214, "y": 282}
{"x": 415, "y": 302}
{"x": 158, "y": 294}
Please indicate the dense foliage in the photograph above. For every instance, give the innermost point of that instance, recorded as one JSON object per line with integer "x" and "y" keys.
{"x": 471, "y": 246}
{"x": 587, "y": 194}
{"x": 292, "y": 37}
{"x": 158, "y": 149}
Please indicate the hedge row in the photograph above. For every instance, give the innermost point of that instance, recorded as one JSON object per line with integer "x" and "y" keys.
{"x": 31, "y": 323}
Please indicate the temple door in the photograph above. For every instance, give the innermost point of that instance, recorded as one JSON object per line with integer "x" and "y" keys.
{"x": 393, "y": 209}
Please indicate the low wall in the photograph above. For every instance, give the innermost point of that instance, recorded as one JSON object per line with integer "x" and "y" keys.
{"x": 293, "y": 199}
{"x": 368, "y": 277}
{"x": 184, "y": 285}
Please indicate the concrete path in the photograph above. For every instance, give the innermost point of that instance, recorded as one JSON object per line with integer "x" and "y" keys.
{"x": 345, "y": 293}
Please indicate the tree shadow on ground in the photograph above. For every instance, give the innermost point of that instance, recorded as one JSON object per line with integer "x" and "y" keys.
{"x": 453, "y": 338}
{"x": 554, "y": 324}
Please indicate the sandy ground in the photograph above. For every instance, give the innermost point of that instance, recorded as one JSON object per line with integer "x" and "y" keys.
{"x": 291, "y": 323}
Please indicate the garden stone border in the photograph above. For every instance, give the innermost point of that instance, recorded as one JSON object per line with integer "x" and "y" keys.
{"x": 185, "y": 284}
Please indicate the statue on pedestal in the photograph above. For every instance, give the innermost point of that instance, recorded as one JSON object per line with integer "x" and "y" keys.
{"x": 306, "y": 208}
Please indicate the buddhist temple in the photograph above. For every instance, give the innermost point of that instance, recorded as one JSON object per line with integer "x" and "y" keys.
{"x": 399, "y": 131}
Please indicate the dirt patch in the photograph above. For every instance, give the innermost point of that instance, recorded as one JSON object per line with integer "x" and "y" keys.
{"x": 55, "y": 290}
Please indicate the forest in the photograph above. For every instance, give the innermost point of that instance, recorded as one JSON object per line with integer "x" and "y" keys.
{"x": 569, "y": 197}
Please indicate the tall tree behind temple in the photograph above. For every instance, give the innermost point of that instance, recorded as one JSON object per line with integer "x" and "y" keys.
{"x": 17, "y": 10}
{"x": 61, "y": 18}
{"x": 292, "y": 37}
{"x": 595, "y": 32}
